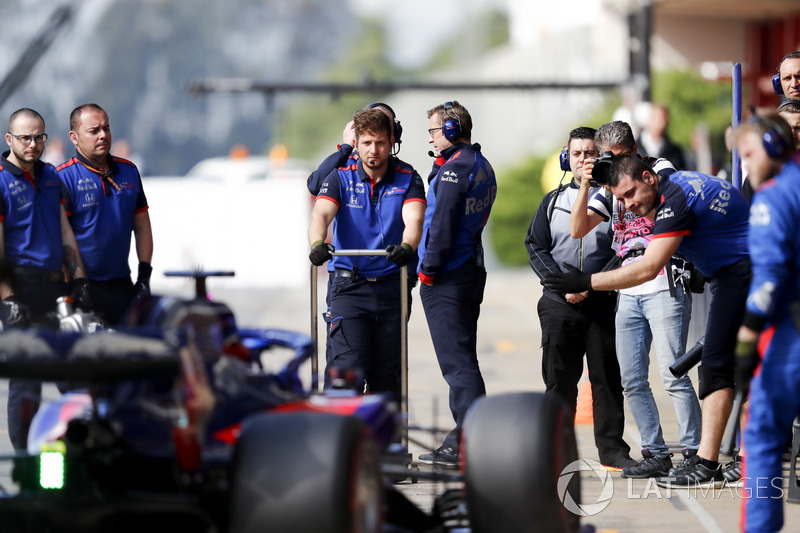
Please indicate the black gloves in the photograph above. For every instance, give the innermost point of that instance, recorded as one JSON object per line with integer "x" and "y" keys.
{"x": 80, "y": 294}
{"x": 142, "y": 285}
{"x": 571, "y": 282}
{"x": 747, "y": 360}
{"x": 14, "y": 314}
{"x": 400, "y": 255}
{"x": 320, "y": 252}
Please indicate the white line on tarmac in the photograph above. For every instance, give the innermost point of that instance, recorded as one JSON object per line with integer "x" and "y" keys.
{"x": 706, "y": 520}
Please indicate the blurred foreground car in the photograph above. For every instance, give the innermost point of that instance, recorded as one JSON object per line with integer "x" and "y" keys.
{"x": 172, "y": 424}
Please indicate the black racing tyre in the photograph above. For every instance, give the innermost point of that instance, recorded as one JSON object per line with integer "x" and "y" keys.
{"x": 305, "y": 473}
{"x": 515, "y": 447}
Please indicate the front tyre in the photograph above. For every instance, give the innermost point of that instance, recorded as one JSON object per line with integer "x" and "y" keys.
{"x": 305, "y": 473}
{"x": 515, "y": 447}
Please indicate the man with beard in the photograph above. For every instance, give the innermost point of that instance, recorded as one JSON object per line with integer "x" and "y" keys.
{"x": 376, "y": 203}
{"x": 705, "y": 220}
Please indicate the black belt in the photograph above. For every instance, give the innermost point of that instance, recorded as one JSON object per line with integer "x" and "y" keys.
{"x": 344, "y": 273}
{"x": 35, "y": 275}
{"x": 110, "y": 283}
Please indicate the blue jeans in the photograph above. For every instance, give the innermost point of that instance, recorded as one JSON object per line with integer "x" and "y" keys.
{"x": 664, "y": 320}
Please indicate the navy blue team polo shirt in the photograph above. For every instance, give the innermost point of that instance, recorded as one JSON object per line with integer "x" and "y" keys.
{"x": 370, "y": 213}
{"x": 101, "y": 209}
{"x": 711, "y": 215}
{"x": 30, "y": 210}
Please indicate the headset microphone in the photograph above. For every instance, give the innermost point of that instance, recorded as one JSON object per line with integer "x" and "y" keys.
{"x": 430, "y": 153}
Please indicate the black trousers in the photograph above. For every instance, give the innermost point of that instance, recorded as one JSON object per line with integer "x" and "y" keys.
{"x": 110, "y": 299}
{"x": 568, "y": 333}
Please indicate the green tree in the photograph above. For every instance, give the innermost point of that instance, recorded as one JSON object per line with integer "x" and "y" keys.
{"x": 519, "y": 192}
{"x": 692, "y": 99}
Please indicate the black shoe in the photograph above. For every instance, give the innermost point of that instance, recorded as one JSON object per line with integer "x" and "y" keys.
{"x": 442, "y": 456}
{"x": 687, "y": 455}
{"x": 617, "y": 465}
{"x": 732, "y": 472}
{"x": 691, "y": 473}
{"x": 649, "y": 466}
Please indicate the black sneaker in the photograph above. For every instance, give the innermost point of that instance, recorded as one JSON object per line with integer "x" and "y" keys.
{"x": 442, "y": 456}
{"x": 732, "y": 472}
{"x": 617, "y": 465}
{"x": 649, "y": 466}
{"x": 691, "y": 473}
{"x": 687, "y": 455}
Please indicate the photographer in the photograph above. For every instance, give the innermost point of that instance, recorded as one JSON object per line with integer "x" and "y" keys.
{"x": 575, "y": 323}
{"x": 657, "y": 311}
{"x": 705, "y": 219}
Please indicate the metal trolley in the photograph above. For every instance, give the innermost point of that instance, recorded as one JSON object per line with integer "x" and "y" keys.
{"x": 403, "y": 331}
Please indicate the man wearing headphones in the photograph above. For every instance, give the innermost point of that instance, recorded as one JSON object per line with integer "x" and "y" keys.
{"x": 451, "y": 267}
{"x": 705, "y": 220}
{"x": 346, "y": 154}
{"x": 789, "y": 110}
{"x": 786, "y": 81}
{"x": 376, "y": 203}
{"x": 578, "y": 323}
{"x": 773, "y": 304}
{"x": 656, "y": 312}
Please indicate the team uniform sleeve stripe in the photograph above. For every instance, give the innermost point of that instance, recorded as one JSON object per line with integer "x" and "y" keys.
{"x": 602, "y": 215}
{"x": 142, "y": 210}
{"x": 416, "y": 200}
{"x": 673, "y": 234}
{"x": 323, "y": 197}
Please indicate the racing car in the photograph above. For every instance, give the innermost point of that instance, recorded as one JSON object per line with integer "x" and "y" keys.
{"x": 171, "y": 422}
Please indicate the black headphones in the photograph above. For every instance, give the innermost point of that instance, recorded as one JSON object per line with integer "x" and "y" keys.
{"x": 397, "y": 128}
{"x": 451, "y": 127}
{"x": 774, "y": 139}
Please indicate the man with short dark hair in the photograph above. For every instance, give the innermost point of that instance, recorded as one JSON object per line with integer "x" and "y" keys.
{"x": 106, "y": 204}
{"x": 462, "y": 188}
{"x": 788, "y": 76}
{"x": 704, "y": 219}
{"x": 36, "y": 241}
{"x": 657, "y": 312}
{"x": 376, "y": 203}
{"x": 789, "y": 110}
{"x": 578, "y": 323}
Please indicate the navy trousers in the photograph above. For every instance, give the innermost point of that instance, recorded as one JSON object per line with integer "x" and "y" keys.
{"x": 364, "y": 331}
{"x": 452, "y": 306}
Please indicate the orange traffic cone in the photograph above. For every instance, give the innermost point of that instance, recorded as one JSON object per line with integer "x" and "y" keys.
{"x": 584, "y": 414}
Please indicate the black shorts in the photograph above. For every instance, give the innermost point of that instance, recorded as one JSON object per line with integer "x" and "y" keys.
{"x": 729, "y": 289}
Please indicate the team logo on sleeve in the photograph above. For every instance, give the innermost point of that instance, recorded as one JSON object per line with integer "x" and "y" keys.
{"x": 665, "y": 213}
{"x": 759, "y": 214}
{"x": 450, "y": 176}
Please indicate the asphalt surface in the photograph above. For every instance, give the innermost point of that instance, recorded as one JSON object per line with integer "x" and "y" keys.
{"x": 510, "y": 356}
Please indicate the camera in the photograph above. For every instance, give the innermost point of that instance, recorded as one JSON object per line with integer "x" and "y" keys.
{"x": 601, "y": 173}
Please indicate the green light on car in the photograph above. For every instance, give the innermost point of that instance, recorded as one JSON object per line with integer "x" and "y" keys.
{"x": 51, "y": 469}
